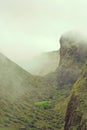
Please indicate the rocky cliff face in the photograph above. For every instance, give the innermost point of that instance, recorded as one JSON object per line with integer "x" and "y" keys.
{"x": 76, "y": 115}
{"x": 73, "y": 53}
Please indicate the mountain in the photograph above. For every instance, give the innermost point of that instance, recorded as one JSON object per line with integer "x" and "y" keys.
{"x": 76, "y": 116}
{"x": 73, "y": 53}
{"x": 20, "y": 96}
{"x": 40, "y": 102}
{"x": 15, "y": 82}
{"x": 12, "y": 78}
{"x": 44, "y": 63}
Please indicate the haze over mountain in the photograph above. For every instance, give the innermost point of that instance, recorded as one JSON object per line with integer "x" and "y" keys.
{"x": 35, "y": 102}
{"x": 44, "y": 63}
{"x": 15, "y": 81}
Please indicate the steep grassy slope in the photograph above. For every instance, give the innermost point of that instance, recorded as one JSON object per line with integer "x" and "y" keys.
{"x": 19, "y": 94}
{"x": 16, "y": 82}
{"x": 44, "y": 63}
{"x": 76, "y": 116}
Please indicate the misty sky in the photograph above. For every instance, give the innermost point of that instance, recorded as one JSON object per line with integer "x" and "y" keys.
{"x": 28, "y": 27}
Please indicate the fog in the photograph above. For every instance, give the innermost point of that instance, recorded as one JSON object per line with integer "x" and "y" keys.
{"x": 29, "y": 27}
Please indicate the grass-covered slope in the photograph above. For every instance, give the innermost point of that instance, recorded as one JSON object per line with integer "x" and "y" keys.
{"x": 26, "y": 100}
{"x": 16, "y": 82}
{"x": 76, "y": 116}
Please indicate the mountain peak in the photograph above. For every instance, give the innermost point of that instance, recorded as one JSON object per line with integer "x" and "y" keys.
{"x": 73, "y": 53}
{"x": 69, "y": 38}
{"x": 73, "y": 44}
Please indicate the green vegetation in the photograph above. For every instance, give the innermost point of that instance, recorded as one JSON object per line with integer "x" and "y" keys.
{"x": 11, "y": 128}
{"x": 76, "y": 117}
{"x": 44, "y": 105}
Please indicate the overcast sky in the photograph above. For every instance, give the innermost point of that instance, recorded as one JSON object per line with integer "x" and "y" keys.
{"x": 28, "y": 27}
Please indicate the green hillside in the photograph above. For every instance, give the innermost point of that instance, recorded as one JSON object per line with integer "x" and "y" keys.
{"x": 76, "y": 116}
{"x": 21, "y": 97}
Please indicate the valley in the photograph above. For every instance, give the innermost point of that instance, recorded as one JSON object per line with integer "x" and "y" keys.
{"x": 45, "y": 102}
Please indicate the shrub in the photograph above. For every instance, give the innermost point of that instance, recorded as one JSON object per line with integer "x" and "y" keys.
{"x": 44, "y": 105}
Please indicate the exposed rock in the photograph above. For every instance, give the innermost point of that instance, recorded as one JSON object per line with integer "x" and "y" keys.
{"x": 73, "y": 53}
